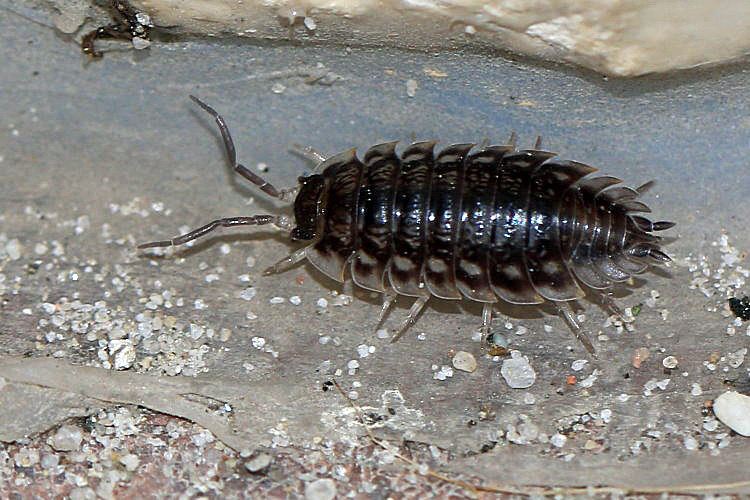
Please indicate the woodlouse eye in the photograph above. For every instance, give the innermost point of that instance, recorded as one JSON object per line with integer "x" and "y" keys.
{"x": 299, "y": 233}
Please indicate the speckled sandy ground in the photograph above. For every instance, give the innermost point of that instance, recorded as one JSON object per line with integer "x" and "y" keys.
{"x": 124, "y": 375}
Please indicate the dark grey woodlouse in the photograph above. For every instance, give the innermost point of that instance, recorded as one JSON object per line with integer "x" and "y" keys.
{"x": 494, "y": 224}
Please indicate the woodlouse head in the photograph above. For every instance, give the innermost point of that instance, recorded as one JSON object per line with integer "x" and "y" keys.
{"x": 308, "y": 207}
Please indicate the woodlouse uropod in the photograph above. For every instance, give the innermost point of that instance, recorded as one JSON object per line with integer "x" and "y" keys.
{"x": 494, "y": 224}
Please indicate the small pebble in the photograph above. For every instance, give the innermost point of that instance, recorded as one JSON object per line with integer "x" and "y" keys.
{"x": 258, "y": 463}
{"x": 26, "y": 457}
{"x": 578, "y": 365}
{"x": 225, "y": 334}
{"x": 49, "y": 461}
{"x": 444, "y": 373}
{"x": 558, "y": 440}
{"x": 124, "y": 353}
{"x": 670, "y": 362}
{"x": 140, "y": 43}
{"x": 639, "y": 356}
{"x": 711, "y": 424}
{"x": 130, "y": 461}
{"x": 517, "y": 371}
{"x": 411, "y": 87}
{"x": 735, "y": 359}
{"x": 13, "y": 249}
{"x": 464, "y": 361}
{"x": 497, "y": 344}
{"x": 67, "y": 438}
{"x": 321, "y": 489}
{"x": 589, "y": 381}
{"x": 690, "y": 443}
{"x": 365, "y": 350}
{"x": 733, "y": 410}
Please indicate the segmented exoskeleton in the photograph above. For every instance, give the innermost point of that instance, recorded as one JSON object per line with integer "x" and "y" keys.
{"x": 494, "y": 224}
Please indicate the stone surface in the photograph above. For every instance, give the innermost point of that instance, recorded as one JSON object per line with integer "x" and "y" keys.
{"x": 622, "y": 37}
{"x": 117, "y": 140}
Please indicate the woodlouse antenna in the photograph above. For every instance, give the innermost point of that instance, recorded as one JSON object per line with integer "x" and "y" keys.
{"x": 264, "y": 185}
{"x": 255, "y": 220}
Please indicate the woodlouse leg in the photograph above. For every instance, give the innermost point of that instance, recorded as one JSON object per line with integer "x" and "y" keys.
{"x": 255, "y": 220}
{"x": 289, "y": 194}
{"x": 538, "y": 143}
{"x": 611, "y": 305}
{"x": 414, "y": 313}
{"x": 567, "y": 314}
{"x": 286, "y": 262}
{"x": 486, "y": 320}
{"x": 389, "y": 297}
{"x": 308, "y": 152}
{"x": 512, "y": 139}
{"x": 264, "y": 186}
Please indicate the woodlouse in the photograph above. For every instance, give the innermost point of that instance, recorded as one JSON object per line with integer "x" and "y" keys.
{"x": 494, "y": 224}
